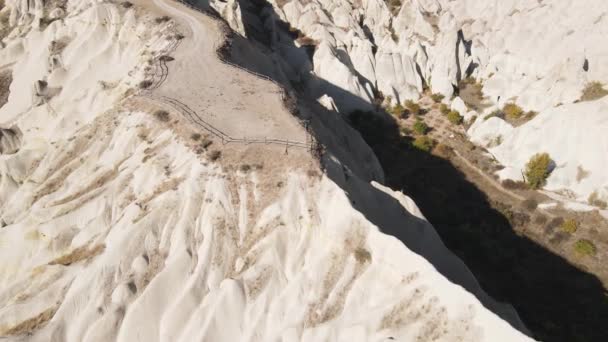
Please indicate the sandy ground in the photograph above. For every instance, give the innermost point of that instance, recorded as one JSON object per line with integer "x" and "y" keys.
{"x": 231, "y": 100}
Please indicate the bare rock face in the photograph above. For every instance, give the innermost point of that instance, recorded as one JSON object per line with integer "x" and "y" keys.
{"x": 129, "y": 213}
{"x": 537, "y": 54}
{"x": 10, "y": 140}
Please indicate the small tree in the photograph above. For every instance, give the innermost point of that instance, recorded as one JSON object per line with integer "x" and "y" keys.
{"x": 455, "y": 117}
{"x": 424, "y": 143}
{"x": 537, "y": 170}
{"x": 420, "y": 127}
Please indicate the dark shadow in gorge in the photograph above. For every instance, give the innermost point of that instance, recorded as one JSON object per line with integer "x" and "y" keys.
{"x": 556, "y": 301}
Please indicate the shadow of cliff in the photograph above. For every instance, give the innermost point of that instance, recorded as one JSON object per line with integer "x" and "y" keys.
{"x": 555, "y": 300}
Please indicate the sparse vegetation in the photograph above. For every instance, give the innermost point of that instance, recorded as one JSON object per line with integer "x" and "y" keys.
{"x": 497, "y": 113}
{"x": 245, "y": 168}
{"x": 195, "y": 136}
{"x": 362, "y": 255}
{"x": 145, "y": 84}
{"x": 455, "y": 117}
{"x": 420, "y": 127}
{"x": 537, "y": 170}
{"x": 585, "y": 247}
{"x": 496, "y": 141}
{"x": 126, "y": 4}
{"x": 424, "y": 143}
{"x": 162, "y": 19}
{"x": 206, "y": 143}
{"x": 412, "y": 107}
{"x": 569, "y": 226}
{"x": 595, "y": 200}
{"x": 436, "y": 97}
{"x": 512, "y": 111}
{"x": 215, "y": 155}
{"x": 444, "y": 109}
{"x": 162, "y": 115}
{"x": 593, "y": 91}
{"x": 396, "y": 110}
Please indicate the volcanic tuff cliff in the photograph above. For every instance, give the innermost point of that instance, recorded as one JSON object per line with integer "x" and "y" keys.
{"x": 150, "y": 191}
{"x": 538, "y": 54}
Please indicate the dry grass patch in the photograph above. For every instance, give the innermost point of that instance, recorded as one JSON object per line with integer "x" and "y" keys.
{"x": 593, "y": 91}
{"x": 29, "y": 325}
{"x": 79, "y": 254}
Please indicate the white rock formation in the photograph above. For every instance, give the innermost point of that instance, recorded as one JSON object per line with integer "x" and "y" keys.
{"x": 575, "y": 137}
{"x": 538, "y": 54}
{"x": 117, "y": 226}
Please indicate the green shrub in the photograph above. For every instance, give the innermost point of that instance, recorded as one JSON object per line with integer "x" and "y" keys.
{"x": 569, "y": 226}
{"x": 585, "y": 247}
{"x": 444, "y": 109}
{"x": 512, "y": 111}
{"x": 437, "y": 97}
{"x": 537, "y": 170}
{"x": 593, "y": 91}
{"x": 455, "y": 117}
{"x": 396, "y": 110}
{"x": 424, "y": 143}
{"x": 412, "y": 107}
{"x": 420, "y": 127}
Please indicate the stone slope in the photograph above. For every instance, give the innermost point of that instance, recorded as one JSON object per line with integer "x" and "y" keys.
{"x": 123, "y": 219}
{"x": 538, "y": 54}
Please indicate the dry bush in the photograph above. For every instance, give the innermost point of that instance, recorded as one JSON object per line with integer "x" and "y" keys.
{"x": 162, "y": 115}
{"x": 437, "y": 97}
{"x": 206, "y": 143}
{"x": 412, "y": 107}
{"x": 215, "y": 155}
{"x": 195, "y": 136}
{"x": 362, "y": 255}
{"x": 455, "y": 117}
{"x": 162, "y": 19}
{"x": 126, "y": 4}
{"x": 145, "y": 84}
{"x": 424, "y": 143}
{"x": 512, "y": 111}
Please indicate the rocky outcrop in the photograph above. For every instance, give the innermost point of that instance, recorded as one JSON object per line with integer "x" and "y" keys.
{"x": 538, "y": 54}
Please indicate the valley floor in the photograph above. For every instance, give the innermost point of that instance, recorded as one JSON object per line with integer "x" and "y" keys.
{"x": 518, "y": 251}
